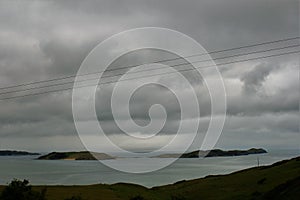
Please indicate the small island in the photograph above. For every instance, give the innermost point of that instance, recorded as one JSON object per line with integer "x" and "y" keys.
{"x": 16, "y": 153}
{"x": 82, "y": 155}
{"x": 214, "y": 153}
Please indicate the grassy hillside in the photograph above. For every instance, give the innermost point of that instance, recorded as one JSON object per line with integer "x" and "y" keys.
{"x": 278, "y": 181}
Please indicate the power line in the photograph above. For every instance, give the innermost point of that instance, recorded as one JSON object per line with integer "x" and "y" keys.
{"x": 115, "y": 75}
{"x": 245, "y": 60}
{"x": 159, "y": 61}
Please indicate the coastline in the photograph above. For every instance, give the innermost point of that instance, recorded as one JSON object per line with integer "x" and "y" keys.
{"x": 87, "y": 172}
{"x": 259, "y": 182}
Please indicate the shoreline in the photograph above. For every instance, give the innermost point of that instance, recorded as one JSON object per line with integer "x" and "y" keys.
{"x": 259, "y": 181}
{"x": 184, "y": 180}
{"x": 91, "y": 172}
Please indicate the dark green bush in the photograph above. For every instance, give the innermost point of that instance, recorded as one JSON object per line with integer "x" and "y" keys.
{"x": 138, "y": 197}
{"x": 21, "y": 190}
{"x": 177, "y": 198}
{"x": 74, "y": 198}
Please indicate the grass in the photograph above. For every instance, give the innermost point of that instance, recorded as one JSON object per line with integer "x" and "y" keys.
{"x": 278, "y": 181}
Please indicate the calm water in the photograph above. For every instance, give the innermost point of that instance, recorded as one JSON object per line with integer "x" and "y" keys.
{"x": 91, "y": 172}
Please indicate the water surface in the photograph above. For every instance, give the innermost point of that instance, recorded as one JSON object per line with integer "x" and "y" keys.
{"x": 60, "y": 172}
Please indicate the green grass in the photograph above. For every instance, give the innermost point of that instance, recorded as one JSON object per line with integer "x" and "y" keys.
{"x": 278, "y": 181}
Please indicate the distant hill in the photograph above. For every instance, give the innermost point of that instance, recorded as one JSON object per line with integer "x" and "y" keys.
{"x": 82, "y": 155}
{"x": 16, "y": 153}
{"x": 214, "y": 153}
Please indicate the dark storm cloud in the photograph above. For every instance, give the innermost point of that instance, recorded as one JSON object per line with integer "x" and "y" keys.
{"x": 266, "y": 88}
{"x": 45, "y": 39}
{"x": 254, "y": 79}
{"x": 219, "y": 24}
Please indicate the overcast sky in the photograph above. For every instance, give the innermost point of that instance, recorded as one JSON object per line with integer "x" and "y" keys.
{"x": 45, "y": 39}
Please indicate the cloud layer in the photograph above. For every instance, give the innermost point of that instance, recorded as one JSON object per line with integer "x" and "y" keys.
{"x": 44, "y": 39}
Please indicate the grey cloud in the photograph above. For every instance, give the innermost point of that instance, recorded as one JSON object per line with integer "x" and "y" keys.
{"x": 269, "y": 131}
{"x": 275, "y": 95}
{"x": 253, "y": 80}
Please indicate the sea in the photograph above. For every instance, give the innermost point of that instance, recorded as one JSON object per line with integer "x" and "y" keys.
{"x": 69, "y": 172}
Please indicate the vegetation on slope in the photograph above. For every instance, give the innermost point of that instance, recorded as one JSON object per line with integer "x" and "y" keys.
{"x": 82, "y": 155}
{"x": 214, "y": 153}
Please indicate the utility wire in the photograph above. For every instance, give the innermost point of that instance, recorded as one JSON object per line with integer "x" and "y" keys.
{"x": 115, "y": 75}
{"x": 159, "y": 61}
{"x": 222, "y": 64}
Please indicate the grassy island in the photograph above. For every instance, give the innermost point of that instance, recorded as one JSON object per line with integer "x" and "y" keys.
{"x": 82, "y": 155}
